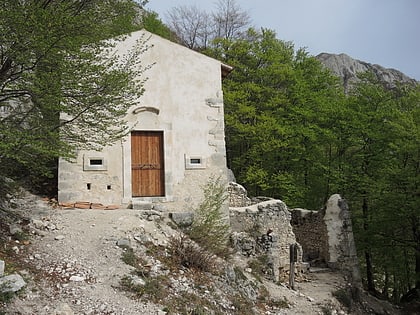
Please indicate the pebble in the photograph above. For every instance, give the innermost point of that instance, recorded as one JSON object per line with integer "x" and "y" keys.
{"x": 64, "y": 309}
{"x": 77, "y": 278}
{"x": 59, "y": 237}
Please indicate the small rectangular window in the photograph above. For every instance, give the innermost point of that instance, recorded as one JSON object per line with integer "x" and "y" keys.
{"x": 94, "y": 163}
{"x": 194, "y": 162}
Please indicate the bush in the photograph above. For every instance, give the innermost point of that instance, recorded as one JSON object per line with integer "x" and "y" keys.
{"x": 155, "y": 288}
{"x": 260, "y": 267}
{"x": 129, "y": 257}
{"x": 209, "y": 229}
{"x": 186, "y": 253}
{"x": 343, "y": 296}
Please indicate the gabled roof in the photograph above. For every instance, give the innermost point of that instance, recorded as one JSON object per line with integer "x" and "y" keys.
{"x": 225, "y": 69}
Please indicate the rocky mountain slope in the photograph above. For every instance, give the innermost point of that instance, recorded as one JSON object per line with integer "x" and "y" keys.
{"x": 347, "y": 69}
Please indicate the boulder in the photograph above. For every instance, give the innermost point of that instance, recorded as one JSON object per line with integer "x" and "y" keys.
{"x": 182, "y": 218}
{"x": 11, "y": 283}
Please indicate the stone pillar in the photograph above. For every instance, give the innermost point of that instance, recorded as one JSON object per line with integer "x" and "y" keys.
{"x": 341, "y": 246}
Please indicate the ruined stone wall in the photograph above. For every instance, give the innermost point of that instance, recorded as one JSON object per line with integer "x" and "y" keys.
{"x": 238, "y": 195}
{"x": 264, "y": 228}
{"x": 311, "y": 233}
{"x": 327, "y": 237}
{"x": 324, "y": 237}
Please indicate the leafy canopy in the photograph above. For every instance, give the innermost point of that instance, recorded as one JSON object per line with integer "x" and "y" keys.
{"x": 60, "y": 86}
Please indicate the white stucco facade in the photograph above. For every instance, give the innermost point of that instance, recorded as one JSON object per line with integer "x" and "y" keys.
{"x": 183, "y": 102}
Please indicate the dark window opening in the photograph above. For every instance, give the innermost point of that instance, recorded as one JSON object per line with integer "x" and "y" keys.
{"x": 195, "y": 161}
{"x": 96, "y": 162}
{"x": 88, "y": 185}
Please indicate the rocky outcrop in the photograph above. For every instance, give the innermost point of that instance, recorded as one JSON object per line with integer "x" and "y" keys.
{"x": 347, "y": 69}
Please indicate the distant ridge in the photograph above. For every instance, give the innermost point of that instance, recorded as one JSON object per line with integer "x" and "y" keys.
{"x": 347, "y": 68}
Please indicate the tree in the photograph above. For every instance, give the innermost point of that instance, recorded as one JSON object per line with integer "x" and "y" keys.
{"x": 231, "y": 22}
{"x": 197, "y": 29}
{"x": 191, "y": 25}
{"x": 152, "y": 23}
{"x": 60, "y": 86}
{"x": 379, "y": 163}
{"x": 276, "y": 101}
{"x": 292, "y": 133}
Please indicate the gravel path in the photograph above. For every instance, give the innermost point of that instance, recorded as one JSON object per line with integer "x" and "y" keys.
{"x": 76, "y": 251}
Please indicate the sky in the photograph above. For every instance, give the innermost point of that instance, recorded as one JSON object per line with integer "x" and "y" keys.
{"x": 384, "y": 32}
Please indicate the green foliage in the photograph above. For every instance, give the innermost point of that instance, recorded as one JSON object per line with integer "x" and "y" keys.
{"x": 343, "y": 296}
{"x": 276, "y": 102}
{"x": 377, "y": 154}
{"x": 129, "y": 257}
{"x": 209, "y": 228}
{"x": 60, "y": 87}
{"x": 292, "y": 134}
{"x": 152, "y": 23}
{"x": 155, "y": 288}
{"x": 260, "y": 267}
{"x": 6, "y": 297}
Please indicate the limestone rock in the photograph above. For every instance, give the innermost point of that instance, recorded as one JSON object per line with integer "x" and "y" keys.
{"x": 15, "y": 229}
{"x": 77, "y": 278}
{"x": 124, "y": 242}
{"x": 39, "y": 224}
{"x": 238, "y": 195}
{"x": 182, "y": 218}
{"x": 347, "y": 69}
{"x": 11, "y": 283}
{"x": 244, "y": 243}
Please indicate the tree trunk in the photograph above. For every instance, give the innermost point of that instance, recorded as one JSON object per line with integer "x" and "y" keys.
{"x": 416, "y": 236}
{"x": 385, "y": 288}
{"x": 368, "y": 256}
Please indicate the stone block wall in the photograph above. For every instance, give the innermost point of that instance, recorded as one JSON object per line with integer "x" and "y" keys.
{"x": 324, "y": 238}
{"x": 265, "y": 228}
{"x": 311, "y": 233}
{"x": 238, "y": 195}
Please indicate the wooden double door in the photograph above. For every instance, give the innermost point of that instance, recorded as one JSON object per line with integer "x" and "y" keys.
{"x": 147, "y": 164}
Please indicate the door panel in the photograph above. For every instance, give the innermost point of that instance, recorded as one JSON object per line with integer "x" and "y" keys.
{"x": 147, "y": 167}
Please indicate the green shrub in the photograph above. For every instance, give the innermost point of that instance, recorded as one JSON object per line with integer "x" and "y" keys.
{"x": 343, "y": 296}
{"x": 129, "y": 257}
{"x": 156, "y": 288}
{"x": 260, "y": 267}
{"x": 209, "y": 228}
{"x": 6, "y": 297}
